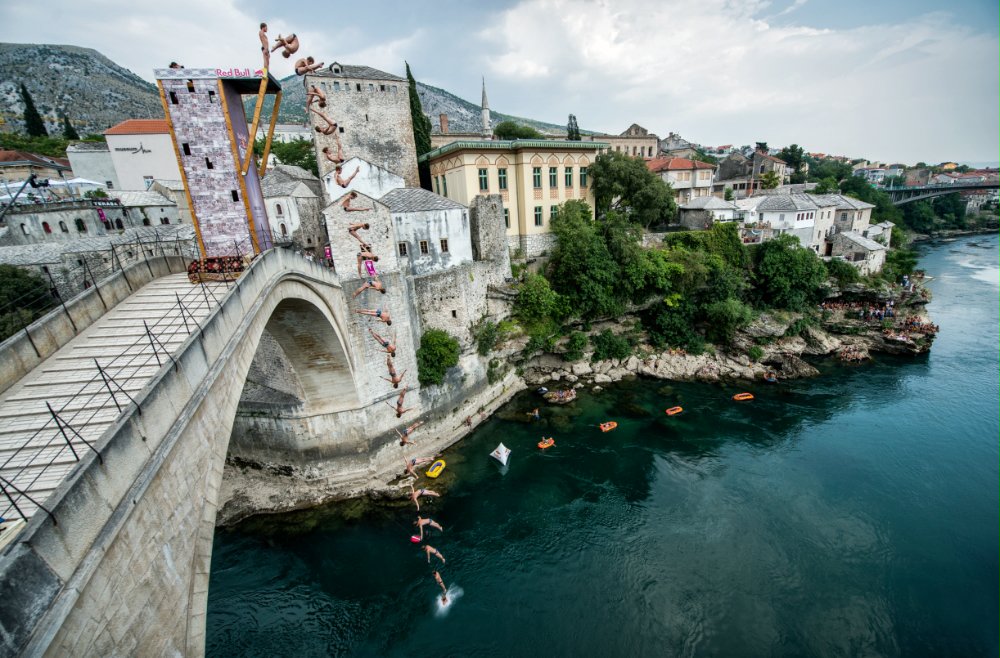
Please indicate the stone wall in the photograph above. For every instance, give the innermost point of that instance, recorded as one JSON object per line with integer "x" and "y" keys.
{"x": 374, "y": 120}
{"x": 430, "y": 228}
{"x": 39, "y": 223}
{"x": 372, "y": 181}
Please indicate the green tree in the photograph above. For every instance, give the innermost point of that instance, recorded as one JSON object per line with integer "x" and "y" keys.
{"x": 69, "y": 132}
{"x": 760, "y": 146}
{"x": 572, "y": 129}
{"x": 725, "y": 318}
{"x": 574, "y": 346}
{"x": 770, "y": 180}
{"x": 421, "y": 130}
{"x": 581, "y": 268}
{"x": 438, "y": 351}
{"x": 794, "y": 157}
{"x": 951, "y": 209}
{"x": 33, "y": 123}
{"x": 607, "y": 345}
{"x": 827, "y": 168}
{"x": 298, "y": 152}
{"x": 672, "y": 324}
{"x": 701, "y": 156}
{"x": 842, "y": 272}
{"x": 826, "y": 185}
{"x": 787, "y": 275}
{"x": 919, "y": 216}
{"x": 625, "y": 185}
{"x": 24, "y": 297}
{"x": 513, "y": 130}
{"x": 727, "y": 194}
{"x": 536, "y": 302}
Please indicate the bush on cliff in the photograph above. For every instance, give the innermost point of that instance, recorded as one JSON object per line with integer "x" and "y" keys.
{"x": 438, "y": 351}
{"x": 725, "y": 318}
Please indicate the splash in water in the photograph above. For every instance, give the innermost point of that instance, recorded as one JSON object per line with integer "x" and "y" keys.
{"x": 440, "y": 608}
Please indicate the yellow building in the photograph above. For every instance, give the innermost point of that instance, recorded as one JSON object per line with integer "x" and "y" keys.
{"x": 532, "y": 177}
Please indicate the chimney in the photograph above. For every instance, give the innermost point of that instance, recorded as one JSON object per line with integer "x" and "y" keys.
{"x": 444, "y": 123}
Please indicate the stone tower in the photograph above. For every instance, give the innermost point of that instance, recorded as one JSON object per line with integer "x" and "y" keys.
{"x": 208, "y": 128}
{"x": 372, "y": 111}
{"x": 487, "y": 125}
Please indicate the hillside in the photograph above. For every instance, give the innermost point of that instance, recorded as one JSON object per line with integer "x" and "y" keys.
{"x": 94, "y": 92}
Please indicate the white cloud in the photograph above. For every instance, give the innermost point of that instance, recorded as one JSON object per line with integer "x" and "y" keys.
{"x": 716, "y": 71}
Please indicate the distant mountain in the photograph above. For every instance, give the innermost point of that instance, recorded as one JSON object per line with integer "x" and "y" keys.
{"x": 94, "y": 92}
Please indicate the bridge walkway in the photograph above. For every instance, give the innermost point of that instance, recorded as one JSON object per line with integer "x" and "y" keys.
{"x": 51, "y": 415}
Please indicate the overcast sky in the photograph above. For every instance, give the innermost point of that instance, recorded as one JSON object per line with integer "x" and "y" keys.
{"x": 894, "y": 80}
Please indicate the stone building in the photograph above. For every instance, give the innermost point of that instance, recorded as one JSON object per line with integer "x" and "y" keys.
{"x": 92, "y": 160}
{"x": 147, "y": 207}
{"x": 16, "y": 166}
{"x": 703, "y": 211}
{"x": 141, "y": 151}
{"x": 173, "y": 191}
{"x": 372, "y": 110}
{"x": 292, "y": 197}
{"x": 432, "y": 232}
{"x": 690, "y": 179}
{"x": 865, "y": 254}
{"x": 65, "y": 221}
{"x": 533, "y": 177}
{"x": 635, "y": 141}
{"x": 743, "y": 174}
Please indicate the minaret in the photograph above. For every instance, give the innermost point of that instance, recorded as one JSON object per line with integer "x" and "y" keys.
{"x": 487, "y": 126}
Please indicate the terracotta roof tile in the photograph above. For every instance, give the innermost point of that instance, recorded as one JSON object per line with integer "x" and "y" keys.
{"x": 672, "y": 164}
{"x": 139, "y": 127}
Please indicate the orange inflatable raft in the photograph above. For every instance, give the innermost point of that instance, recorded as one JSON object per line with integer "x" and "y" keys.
{"x": 673, "y": 411}
{"x": 608, "y": 426}
{"x": 546, "y": 443}
{"x": 743, "y": 397}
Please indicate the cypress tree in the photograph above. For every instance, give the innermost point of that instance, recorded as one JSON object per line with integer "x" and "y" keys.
{"x": 572, "y": 130}
{"x": 69, "y": 132}
{"x": 421, "y": 129}
{"x": 33, "y": 123}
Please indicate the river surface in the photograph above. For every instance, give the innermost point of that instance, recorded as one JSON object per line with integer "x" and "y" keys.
{"x": 851, "y": 514}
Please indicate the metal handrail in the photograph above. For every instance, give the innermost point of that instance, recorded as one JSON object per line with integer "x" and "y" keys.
{"x": 141, "y": 357}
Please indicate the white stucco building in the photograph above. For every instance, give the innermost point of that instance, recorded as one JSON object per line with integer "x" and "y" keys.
{"x": 141, "y": 151}
{"x": 372, "y": 180}
{"x": 92, "y": 161}
{"x": 432, "y": 232}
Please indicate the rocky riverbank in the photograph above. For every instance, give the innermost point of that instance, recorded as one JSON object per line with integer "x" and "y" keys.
{"x": 781, "y": 344}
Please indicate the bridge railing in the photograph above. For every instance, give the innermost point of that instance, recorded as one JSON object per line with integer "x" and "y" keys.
{"x": 42, "y": 457}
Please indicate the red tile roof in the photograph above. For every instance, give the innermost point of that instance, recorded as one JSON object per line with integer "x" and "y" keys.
{"x": 139, "y": 127}
{"x": 672, "y": 164}
{"x": 23, "y": 157}
{"x": 771, "y": 157}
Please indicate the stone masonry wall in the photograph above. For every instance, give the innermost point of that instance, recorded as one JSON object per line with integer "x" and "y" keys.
{"x": 374, "y": 120}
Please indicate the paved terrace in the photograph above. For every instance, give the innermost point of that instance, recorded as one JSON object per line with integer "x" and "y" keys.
{"x": 38, "y": 448}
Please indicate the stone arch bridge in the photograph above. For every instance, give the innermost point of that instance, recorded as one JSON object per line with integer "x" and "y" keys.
{"x": 115, "y": 560}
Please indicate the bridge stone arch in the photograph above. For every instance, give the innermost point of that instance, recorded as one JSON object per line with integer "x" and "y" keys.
{"x": 122, "y": 565}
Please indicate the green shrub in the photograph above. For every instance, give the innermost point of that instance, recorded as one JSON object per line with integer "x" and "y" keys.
{"x": 574, "y": 346}
{"x": 796, "y": 328}
{"x": 725, "y": 318}
{"x": 438, "y": 351}
{"x": 487, "y": 335}
{"x": 609, "y": 346}
{"x": 842, "y": 272}
{"x": 755, "y": 353}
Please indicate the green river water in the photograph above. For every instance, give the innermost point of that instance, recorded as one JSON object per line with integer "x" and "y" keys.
{"x": 852, "y": 514}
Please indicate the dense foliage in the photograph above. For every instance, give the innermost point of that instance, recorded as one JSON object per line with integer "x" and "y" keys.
{"x": 786, "y": 275}
{"x": 438, "y": 351}
{"x": 298, "y": 152}
{"x": 53, "y": 147}
{"x": 625, "y": 186}
{"x": 421, "y": 130}
{"x": 513, "y": 130}
{"x": 24, "y": 297}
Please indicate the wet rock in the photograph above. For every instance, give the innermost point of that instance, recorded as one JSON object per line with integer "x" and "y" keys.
{"x": 601, "y": 378}
{"x": 582, "y": 368}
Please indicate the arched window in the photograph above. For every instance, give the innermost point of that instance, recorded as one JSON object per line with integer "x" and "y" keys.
{"x": 277, "y": 209}
{"x": 46, "y": 227}
{"x": 62, "y": 227}
{"x": 145, "y": 221}
{"x": 284, "y": 231}
{"x": 80, "y": 226}
{"x": 164, "y": 220}
{"x": 119, "y": 225}
{"x": 24, "y": 229}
